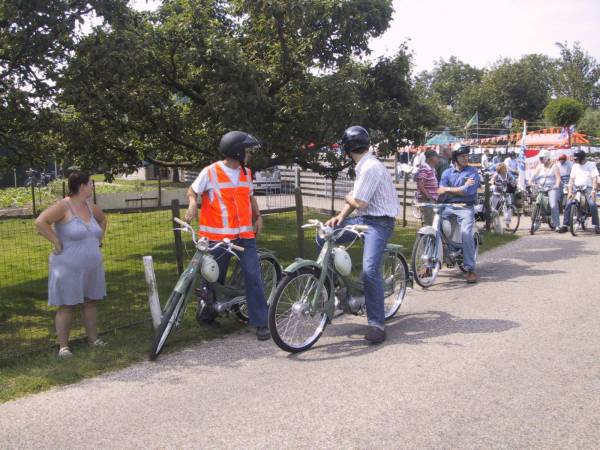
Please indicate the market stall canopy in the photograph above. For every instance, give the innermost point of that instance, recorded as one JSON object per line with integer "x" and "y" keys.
{"x": 552, "y": 137}
{"x": 444, "y": 138}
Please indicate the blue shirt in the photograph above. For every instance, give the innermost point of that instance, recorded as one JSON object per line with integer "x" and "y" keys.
{"x": 457, "y": 178}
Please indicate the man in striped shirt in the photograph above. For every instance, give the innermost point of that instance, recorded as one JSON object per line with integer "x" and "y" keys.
{"x": 376, "y": 203}
{"x": 427, "y": 184}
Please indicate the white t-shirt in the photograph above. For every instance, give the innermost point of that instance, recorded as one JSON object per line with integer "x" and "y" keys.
{"x": 582, "y": 174}
{"x": 202, "y": 182}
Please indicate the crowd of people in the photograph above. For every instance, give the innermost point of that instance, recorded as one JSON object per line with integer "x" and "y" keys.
{"x": 222, "y": 199}
{"x": 558, "y": 177}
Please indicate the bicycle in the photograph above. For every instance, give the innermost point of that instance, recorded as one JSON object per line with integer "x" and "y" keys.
{"x": 506, "y": 210}
{"x": 306, "y": 298}
{"x": 222, "y": 298}
{"x": 580, "y": 210}
{"x": 440, "y": 242}
{"x": 541, "y": 210}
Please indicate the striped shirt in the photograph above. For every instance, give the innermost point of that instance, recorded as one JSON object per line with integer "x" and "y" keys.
{"x": 426, "y": 175}
{"x": 374, "y": 185}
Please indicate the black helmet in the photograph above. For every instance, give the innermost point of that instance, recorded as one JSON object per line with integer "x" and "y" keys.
{"x": 234, "y": 144}
{"x": 579, "y": 156}
{"x": 355, "y": 138}
{"x": 460, "y": 149}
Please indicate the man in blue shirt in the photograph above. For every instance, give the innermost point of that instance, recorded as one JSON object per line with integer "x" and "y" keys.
{"x": 459, "y": 184}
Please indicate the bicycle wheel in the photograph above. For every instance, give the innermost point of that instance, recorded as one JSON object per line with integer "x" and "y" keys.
{"x": 395, "y": 278}
{"x": 574, "y": 219}
{"x": 515, "y": 219}
{"x": 536, "y": 219}
{"x": 424, "y": 266}
{"x": 169, "y": 319}
{"x": 270, "y": 274}
{"x": 295, "y": 324}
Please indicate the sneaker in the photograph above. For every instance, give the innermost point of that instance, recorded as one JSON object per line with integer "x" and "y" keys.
{"x": 375, "y": 335}
{"x": 65, "y": 352}
{"x": 98, "y": 343}
{"x": 263, "y": 333}
{"x": 471, "y": 277}
{"x": 597, "y": 230}
{"x": 563, "y": 229}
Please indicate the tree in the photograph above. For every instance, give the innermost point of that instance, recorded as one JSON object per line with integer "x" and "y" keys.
{"x": 564, "y": 112}
{"x": 36, "y": 41}
{"x": 164, "y": 86}
{"x": 450, "y": 78}
{"x": 590, "y": 123}
{"x": 577, "y": 75}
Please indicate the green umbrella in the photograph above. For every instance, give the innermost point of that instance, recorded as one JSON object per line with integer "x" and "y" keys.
{"x": 444, "y": 138}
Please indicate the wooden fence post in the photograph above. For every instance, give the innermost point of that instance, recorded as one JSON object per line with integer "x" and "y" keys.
{"x": 332, "y": 197}
{"x": 299, "y": 221}
{"x": 486, "y": 202}
{"x": 33, "y": 197}
{"x": 404, "y": 201}
{"x": 159, "y": 189}
{"x": 177, "y": 235}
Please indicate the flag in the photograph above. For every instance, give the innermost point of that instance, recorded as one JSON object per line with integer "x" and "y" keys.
{"x": 523, "y": 145}
{"x": 563, "y": 133}
{"x": 507, "y": 121}
{"x": 474, "y": 120}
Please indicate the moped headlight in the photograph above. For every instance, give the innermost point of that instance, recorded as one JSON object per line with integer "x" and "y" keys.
{"x": 325, "y": 232}
{"x": 202, "y": 245}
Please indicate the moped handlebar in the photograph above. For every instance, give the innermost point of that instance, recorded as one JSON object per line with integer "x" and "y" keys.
{"x": 203, "y": 243}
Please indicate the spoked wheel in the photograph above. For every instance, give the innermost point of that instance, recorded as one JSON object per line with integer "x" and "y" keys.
{"x": 270, "y": 274}
{"x": 424, "y": 264}
{"x": 169, "y": 318}
{"x": 395, "y": 279}
{"x": 575, "y": 219}
{"x": 296, "y": 318}
{"x": 475, "y": 253}
{"x": 536, "y": 219}
{"x": 513, "y": 225}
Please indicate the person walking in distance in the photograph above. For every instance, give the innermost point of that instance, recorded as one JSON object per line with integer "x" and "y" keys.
{"x": 228, "y": 209}
{"x": 375, "y": 201}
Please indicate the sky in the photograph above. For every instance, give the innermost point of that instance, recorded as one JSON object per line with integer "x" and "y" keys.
{"x": 479, "y": 32}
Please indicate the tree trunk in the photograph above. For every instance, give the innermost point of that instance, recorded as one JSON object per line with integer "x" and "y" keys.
{"x": 175, "y": 174}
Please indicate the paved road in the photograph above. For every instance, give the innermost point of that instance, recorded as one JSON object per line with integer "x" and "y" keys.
{"x": 513, "y": 362}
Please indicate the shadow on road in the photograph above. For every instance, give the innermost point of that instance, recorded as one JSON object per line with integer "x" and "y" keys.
{"x": 412, "y": 329}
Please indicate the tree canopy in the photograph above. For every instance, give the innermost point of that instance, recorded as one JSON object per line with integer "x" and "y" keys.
{"x": 164, "y": 86}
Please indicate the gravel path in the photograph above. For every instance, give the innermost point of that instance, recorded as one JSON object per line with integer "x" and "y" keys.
{"x": 512, "y": 362}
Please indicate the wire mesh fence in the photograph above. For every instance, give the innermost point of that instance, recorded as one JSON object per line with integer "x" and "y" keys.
{"x": 26, "y": 320}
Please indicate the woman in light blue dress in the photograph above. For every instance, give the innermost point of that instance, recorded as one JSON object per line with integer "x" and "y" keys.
{"x": 76, "y": 271}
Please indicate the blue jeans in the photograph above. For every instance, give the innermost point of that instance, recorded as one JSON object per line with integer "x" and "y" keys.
{"x": 466, "y": 220}
{"x": 255, "y": 294}
{"x": 593, "y": 209}
{"x": 376, "y": 237}
{"x": 553, "y": 199}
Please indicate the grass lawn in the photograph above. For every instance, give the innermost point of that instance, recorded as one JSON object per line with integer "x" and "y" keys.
{"x": 26, "y": 322}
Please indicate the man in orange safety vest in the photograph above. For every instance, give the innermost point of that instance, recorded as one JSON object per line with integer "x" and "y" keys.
{"x": 228, "y": 209}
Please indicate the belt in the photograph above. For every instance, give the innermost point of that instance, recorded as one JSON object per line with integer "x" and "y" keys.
{"x": 464, "y": 203}
{"x": 379, "y": 217}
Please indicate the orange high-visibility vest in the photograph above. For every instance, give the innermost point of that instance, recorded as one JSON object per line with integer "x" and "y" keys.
{"x": 229, "y": 213}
